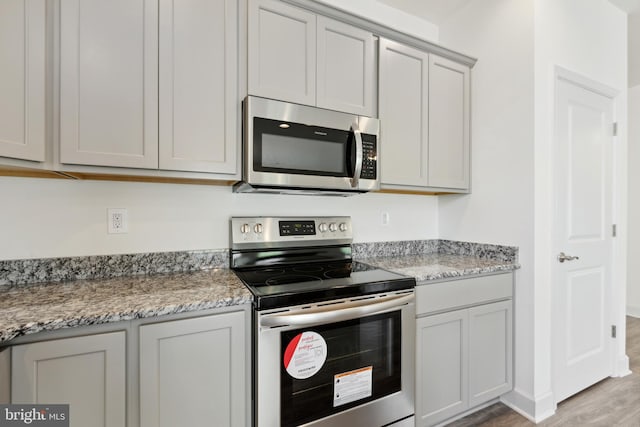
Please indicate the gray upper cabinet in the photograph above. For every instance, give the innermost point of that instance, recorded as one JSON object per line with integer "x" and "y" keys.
{"x": 282, "y": 52}
{"x": 22, "y": 85}
{"x": 448, "y": 124}
{"x": 346, "y": 58}
{"x": 153, "y": 88}
{"x": 198, "y": 83}
{"x": 150, "y": 84}
{"x": 300, "y": 57}
{"x": 88, "y": 373}
{"x": 404, "y": 114}
{"x": 109, "y": 83}
{"x": 424, "y": 111}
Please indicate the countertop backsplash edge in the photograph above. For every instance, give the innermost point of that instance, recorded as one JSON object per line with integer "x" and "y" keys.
{"x": 39, "y": 270}
{"x": 27, "y": 271}
{"x": 508, "y": 254}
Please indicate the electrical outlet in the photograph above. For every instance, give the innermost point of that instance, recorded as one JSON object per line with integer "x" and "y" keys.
{"x": 385, "y": 218}
{"x": 117, "y": 221}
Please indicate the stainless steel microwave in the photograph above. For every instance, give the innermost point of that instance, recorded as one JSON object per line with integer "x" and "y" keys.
{"x": 291, "y": 148}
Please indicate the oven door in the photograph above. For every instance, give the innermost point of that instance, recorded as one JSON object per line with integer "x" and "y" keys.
{"x": 345, "y": 363}
{"x": 291, "y": 145}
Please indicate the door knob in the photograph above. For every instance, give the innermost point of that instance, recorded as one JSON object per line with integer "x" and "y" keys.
{"x": 562, "y": 257}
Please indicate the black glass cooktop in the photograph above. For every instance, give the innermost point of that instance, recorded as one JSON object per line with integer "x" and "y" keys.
{"x": 287, "y": 285}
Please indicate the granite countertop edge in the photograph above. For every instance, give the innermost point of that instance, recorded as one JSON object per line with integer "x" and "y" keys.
{"x": 34, "y": 308}
{"x": 111, "y": 317}
{"x": 466, "y": 273}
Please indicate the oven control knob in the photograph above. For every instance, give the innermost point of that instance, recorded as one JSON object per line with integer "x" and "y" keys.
{"x": 343, "y": 226}
{"x": 322, "y": 227}
{"x": 258, "y": 228}
{"x": 333, "y": 227}
{"x": 244, "y": 228}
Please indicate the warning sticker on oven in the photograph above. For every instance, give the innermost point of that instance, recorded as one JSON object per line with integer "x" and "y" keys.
{"x": 351, "y": 386}
{"x": 305, "y": 355}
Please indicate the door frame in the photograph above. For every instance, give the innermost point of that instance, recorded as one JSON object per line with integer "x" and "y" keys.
{"x": 619, "y": 359}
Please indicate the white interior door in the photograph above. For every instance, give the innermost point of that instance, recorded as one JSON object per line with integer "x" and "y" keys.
{"x": 583, "y": 229}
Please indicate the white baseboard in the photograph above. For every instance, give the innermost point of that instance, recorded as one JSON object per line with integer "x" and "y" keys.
{"x": 622, "y": 367}
{"x": 633, "y": 311}
{"x": 535, "y": 410}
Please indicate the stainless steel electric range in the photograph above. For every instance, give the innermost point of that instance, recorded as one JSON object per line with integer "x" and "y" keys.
{"x": 333, "y": 338}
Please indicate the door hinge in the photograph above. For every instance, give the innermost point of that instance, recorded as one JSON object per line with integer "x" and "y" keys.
{"x": 613, "y": 331}
{"x": 614, "y": 230}
{"x": 615, "y": 128}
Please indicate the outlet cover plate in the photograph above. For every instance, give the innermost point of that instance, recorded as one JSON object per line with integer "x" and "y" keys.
{"x": 117, "y": 221}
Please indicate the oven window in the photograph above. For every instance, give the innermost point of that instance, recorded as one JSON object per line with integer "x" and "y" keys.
{"x": 287, "y": 147}
{"x": 365, "y": 354}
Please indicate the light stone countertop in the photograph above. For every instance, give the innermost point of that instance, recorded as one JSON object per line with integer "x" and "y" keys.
{"x": 428, "y": 267}
{"x": 27, "y": 309}
{"x": 31, "y": 308}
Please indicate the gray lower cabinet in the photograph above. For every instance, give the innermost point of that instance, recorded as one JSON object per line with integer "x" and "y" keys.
{"x": 464, "y": 355}
{"x": 192, "y": 372}
{"x": 441, "y": 371}
{"x": 183, "y": 371}
{"x": 490, "y": 351}
{"x": 88, "y": 373}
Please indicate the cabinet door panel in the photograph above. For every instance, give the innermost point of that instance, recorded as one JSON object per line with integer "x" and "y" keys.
{"x": 404, "y": 114}
{"x": 192, "y": 372}
{"x": 22, "y": 86}
{"x": 448, "y": 124}
{"x": 109, "y": 83}
{"x": 88, "y": 373}
{"x": 198, "y": 85}
{"x": 282, "y": 52}
{"x": 490, "y": 351}
{"x": 346, "y": 62}
{"x": 442, "y": 379}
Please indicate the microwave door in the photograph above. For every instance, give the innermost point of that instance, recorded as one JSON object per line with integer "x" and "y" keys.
{"x": 300, "y": 154}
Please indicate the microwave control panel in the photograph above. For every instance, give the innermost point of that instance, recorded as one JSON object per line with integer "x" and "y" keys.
{"x": 369, "y": 157}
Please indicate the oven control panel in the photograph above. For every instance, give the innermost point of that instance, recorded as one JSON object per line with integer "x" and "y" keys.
{"x": 297, "y": 228}
{"x": 260, "y": 232}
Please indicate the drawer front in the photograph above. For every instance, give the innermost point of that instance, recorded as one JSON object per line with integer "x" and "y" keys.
{"x": 449, "y": 295}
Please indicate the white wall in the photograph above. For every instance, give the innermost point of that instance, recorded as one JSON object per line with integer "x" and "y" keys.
{"x": 519, "y": 44}
{"x": 500, "y": 209}
{"x": 389, "y": 16}
{"x": 633, "y": 271}
{"x": 634, "y": 48}
{"x": 587, "y": 37}
{"x": 57, "y": 218}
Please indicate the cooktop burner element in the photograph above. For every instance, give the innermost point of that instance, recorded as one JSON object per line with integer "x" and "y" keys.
{"x": 289, "y": 261}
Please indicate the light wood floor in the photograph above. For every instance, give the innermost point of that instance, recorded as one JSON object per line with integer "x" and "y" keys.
{"x": 611, "y": 402}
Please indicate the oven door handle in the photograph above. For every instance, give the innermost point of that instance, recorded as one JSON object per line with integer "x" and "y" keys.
{"x": 331, "y": 314}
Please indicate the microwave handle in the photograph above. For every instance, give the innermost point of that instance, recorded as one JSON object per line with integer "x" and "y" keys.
{"x": 330, "y": 314}
{"x": 358, "y": 167}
